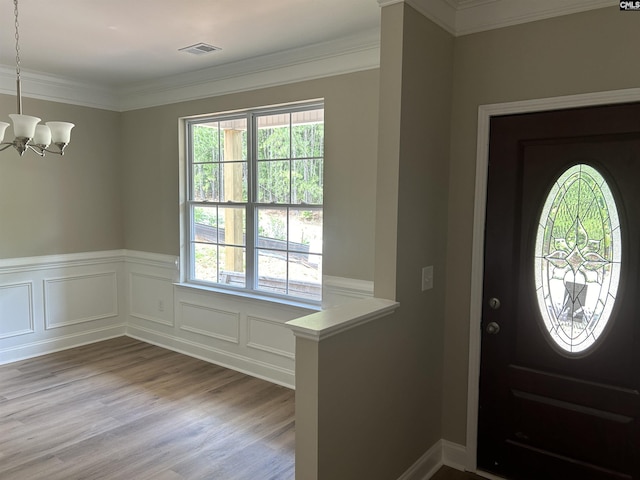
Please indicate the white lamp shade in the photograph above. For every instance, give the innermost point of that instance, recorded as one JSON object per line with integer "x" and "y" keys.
{"x": 3, "y": 127}
{"x": 60, "y": 131}
{"x": 42, "y": 136}
{"x": 24, "y": 125}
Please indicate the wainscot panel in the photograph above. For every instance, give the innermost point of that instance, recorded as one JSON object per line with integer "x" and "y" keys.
{"x": 151, "y": 297}
{"x": 212, "y": 322}
{"x": 270, "y": 336}
{"x": 16, "y": 309}
{"x": 54, "y": 302}
{"x": 80, "y": 298}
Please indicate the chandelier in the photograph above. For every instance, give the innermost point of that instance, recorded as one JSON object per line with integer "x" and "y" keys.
{"x": 29, "y": 135}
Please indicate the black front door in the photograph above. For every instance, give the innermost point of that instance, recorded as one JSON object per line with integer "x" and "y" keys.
{"x": 560, "y": 354}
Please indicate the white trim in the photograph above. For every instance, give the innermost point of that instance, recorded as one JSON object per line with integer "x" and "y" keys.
{"x": 345, "y": 55}
{"x": 463, "y": 17}
{"x": 152, "y": 259}
{"x": 50, "y": 345}
{"x": 485, "y": 112}
{"x": 24, "y": 264}
{"x": 441, "y": 453}
{"x": 426, "y": 466}
{"x": 483, "y": 16}
{"x": 57, "y": 89}
{"x": 336, "y": 320}
{"x": 454, "y": 455}
{"x": 440, "y": 12}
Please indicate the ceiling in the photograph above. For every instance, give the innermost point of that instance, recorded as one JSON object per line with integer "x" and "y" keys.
{"x": 129, "y": 47}
{"x": 119, "y": 42}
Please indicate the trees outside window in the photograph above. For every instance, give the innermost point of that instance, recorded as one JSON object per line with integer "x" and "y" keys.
{"x": 255, "y": 194}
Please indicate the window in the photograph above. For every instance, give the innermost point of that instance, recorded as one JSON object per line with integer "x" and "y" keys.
{"x": 254, "y": 197}
{"x": 578, "y": 258}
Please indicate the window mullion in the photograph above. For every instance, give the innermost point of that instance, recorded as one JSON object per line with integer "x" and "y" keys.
{"x": 252, "y": 193}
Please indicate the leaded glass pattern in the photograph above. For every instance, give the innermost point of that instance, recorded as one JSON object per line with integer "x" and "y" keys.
{"x": 577, "y": 259}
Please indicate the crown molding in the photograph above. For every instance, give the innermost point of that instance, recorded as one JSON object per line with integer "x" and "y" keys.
{"x": 473, "y": 17}
{"x": 57, "y": 89}
{"x": 346, "y": 55}
{"x": 463, "y": 17}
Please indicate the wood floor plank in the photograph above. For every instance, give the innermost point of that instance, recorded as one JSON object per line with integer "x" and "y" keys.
{"x": 123, "y": 409}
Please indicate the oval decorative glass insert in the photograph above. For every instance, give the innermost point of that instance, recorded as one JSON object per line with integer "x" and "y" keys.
{"x": 577, "y": 259}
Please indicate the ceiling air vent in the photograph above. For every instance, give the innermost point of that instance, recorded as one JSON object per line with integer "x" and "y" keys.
{"x": 200, "y": 49}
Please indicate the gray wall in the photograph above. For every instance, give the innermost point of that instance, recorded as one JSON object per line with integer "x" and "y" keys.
{"x": 68, "y": 204}
{"x": 391, "y": 370}
{"x": 150, "y": 167}
{"x": 580, "y": 53}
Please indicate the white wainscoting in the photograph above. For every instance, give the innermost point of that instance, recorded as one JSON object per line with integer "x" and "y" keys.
{"x": 16, "y": 309}
{"x": 55, "y": 302}
{"x": 77, "y": 299}
{"x": 243, "y": 333}
{"x": 240, "y": 332}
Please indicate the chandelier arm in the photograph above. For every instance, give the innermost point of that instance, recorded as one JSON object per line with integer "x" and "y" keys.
{"x": 59, "y": 152}
{"x": 6, "y": 145}
{"x": 36, "y": 149}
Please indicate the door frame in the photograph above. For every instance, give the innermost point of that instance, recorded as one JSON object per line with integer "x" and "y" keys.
{"x": 485, "y": 112}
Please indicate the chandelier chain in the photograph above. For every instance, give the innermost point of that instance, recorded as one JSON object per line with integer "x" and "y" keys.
{"x": 15, "y": 12}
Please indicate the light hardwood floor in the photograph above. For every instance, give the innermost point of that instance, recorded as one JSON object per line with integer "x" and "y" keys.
{"x": 126, "y": 410}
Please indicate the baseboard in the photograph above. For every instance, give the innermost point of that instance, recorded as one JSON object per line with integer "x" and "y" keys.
{"x": 442, "y": 453}
{"x": 255, "y": 368}
{"x": 43, "y": 347}
{"x": 454, "y": 455}
{"x": 426, "y": 466}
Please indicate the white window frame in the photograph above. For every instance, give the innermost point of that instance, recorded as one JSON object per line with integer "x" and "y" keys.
{"x": 251, "y": 205}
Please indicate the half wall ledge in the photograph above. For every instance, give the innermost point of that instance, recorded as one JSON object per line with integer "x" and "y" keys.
{"x": 335, "y": 320}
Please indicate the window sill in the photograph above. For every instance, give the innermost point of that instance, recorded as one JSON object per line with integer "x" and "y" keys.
{"x": 316, "y": 307}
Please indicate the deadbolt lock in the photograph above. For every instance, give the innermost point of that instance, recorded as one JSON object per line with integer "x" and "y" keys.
{"x": 494, "y": 303}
